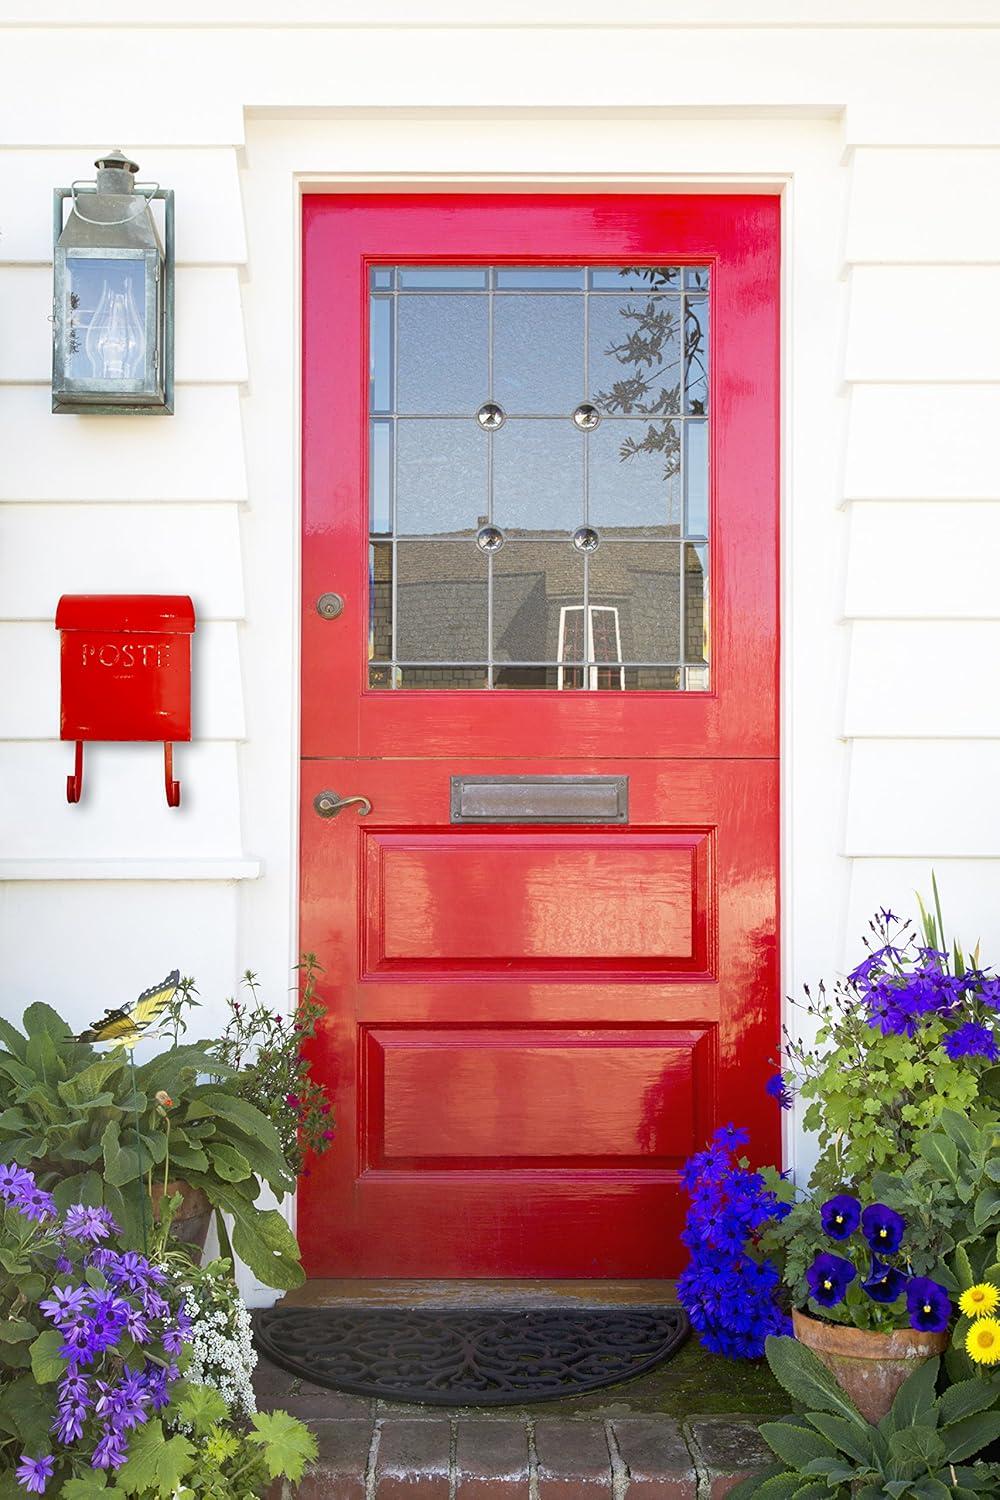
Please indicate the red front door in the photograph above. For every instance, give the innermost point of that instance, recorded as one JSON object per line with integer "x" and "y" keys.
{"x": 540, "y": 471}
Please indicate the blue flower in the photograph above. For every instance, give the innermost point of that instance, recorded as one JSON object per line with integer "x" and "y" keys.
{"x": 971, "y": 1040}
{"x": 33, "y": 1474}
{"x": 829, "y": 1276}
{"x": 89, "y": 1224}
{"x": 780, "y": 1091}
{"x": 840, "y": 1216}
{"x": 884, "y": 1283}
{"x": 928, "y": 1305}
{"x": 883, "y": 1228}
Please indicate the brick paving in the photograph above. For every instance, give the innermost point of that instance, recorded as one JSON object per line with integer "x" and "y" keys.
{"x": 371, "y": 1450}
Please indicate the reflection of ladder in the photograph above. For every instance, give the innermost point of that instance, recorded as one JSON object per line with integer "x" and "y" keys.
{"x": 601, "y": 650}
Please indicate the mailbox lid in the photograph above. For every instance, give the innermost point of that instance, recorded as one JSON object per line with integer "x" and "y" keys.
{"x": 151, "y": 614}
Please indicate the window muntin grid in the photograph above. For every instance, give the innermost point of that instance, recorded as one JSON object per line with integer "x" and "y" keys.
{"x": 538, "y": 469}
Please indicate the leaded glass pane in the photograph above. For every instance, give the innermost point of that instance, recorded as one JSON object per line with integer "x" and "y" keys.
{"x": 539, "y": 478}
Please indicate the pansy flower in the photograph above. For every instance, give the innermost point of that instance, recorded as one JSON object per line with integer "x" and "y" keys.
{"x": 883, "y": 1228}
{"x": 884, "y": 1283}
{"x": 840, "y": 1216}
{"x": 828, "y": 1277}
{"x": 928, "y": 1305}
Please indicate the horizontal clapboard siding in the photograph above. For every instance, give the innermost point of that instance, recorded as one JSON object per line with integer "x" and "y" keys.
{"x": 210, "y": 346}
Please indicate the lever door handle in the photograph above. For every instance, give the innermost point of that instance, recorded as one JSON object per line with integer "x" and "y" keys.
{"x": 329, "y": 804}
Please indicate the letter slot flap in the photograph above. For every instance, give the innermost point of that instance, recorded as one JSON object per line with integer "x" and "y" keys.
{"x": 539, "y": 799}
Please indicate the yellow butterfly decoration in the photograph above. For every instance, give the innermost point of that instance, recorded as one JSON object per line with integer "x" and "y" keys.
{"x": 126, "y": 1026}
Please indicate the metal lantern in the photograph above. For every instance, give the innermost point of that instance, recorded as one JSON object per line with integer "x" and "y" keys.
{"x": 113, "y": 307}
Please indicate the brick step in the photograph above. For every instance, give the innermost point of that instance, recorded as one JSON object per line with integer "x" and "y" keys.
{"x": 404, "y": 1457}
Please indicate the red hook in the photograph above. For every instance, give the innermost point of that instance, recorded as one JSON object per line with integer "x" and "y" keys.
{"x": 74, "y": 783}
{"x": 173, "y": 788}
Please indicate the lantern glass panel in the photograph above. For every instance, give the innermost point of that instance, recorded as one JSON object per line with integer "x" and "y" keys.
{"x": 105, "y": 318}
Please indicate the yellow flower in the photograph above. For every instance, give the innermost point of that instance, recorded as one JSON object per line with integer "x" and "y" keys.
{"x": 982, "y": 1342}
{"x": 979, "y": 1301}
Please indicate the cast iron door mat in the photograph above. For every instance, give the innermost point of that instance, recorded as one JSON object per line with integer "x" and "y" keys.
{"x": 450, "y": 1357}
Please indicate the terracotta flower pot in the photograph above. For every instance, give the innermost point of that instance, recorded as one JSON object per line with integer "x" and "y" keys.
{"x": 190, "y": 1222}
{"x": 868, "y": 1367}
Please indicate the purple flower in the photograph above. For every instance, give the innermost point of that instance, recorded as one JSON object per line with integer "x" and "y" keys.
{"x": 884, "y": 1283}
{"x": 65, "y": 1303}
{"x": 883, "y": 1228}
{"x": 840, "y": 1216}
{"x": 779, "y": 1091}
{"x": 928, "y": 1305}
{"x": 13, "y": 1179}
{"x": 111, "y": 1450}
{"x": 971, "y": 1040}
{"x": 68, "y": 1425}
{"x": 728, "y": 1137}
{"x": 64, "y": 1265}
{"x": 29, "y": 1200}
{"x": 33, "y": 1474}
{"x": 829, "y": 1276}
{"x": 89, "y": 1224}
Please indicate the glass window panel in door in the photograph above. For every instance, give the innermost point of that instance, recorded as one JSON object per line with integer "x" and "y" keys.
{"x": 634, "y": 350}
{"x": 442, "y": 360}
{"x": 634, "y": 478}
{"x": 532, "y": 583}
{"x": 518, "y": 539}
{"x": 538, "y": 353}
{"x": 538, "y": 475}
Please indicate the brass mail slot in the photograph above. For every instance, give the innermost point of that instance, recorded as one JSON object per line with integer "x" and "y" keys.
{"x": 539, "y": 799}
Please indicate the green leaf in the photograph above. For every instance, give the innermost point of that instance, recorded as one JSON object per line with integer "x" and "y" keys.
{"x": 961, "y": 1130}
{"x": 27, "y": 1410}
{"x": 264, "y": 1241}
{"x": 88, "y": 1084}
{"x": 856, "y": 1442}
{"x": 965, "y": 1399}
{"x": 90, "y": 1486}
{"x": 963, "y": 1268}
{"x": 929, "y": 1488}
{"x": 920, "y": 1445}
{"x": 966, "y": 1438}
{"x": 15, "y": 1042}
{"x": 201, "y": 1406}
{"x": 915, "y": 1397}
{"x": 46, "y": 1366}
{"x": 41, "y": 1020}
{"x": 753, "y": 1482}
{"x": 230, "y": 1164}
{"x": 85, "y": 1187}
{"x": 287, "y": 1444}
{"x": 798, "y": 1446}
{"x": 803, "y": 1376}
{"x": 16, "y": 1331}
{"x": 778, "y": 1487}
{"x": 942, "y": 1154}
{"x": 155, "y": 1465}
{"x": 987, "y": 1207}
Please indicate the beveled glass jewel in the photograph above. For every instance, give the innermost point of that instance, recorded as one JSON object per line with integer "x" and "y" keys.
{"x": 586, "y": 416}
{"x": 490, "y": 416}
{"x": 586, "y": 539}
{"x": 489, "y": 538}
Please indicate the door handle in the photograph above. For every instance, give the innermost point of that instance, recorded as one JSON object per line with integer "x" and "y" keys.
{"x": 329, "y": 804}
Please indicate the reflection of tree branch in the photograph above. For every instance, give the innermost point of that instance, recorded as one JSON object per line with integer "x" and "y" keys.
{"x": 651, "y": 330}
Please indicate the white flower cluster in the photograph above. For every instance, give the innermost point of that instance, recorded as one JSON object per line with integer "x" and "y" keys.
{"x": 222, "y": 1352}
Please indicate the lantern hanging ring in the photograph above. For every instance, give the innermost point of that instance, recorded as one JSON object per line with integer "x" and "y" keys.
{"x": 147, "y": 190}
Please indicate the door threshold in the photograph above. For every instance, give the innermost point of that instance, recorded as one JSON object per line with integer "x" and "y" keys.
{"x": 524, "y": 1293}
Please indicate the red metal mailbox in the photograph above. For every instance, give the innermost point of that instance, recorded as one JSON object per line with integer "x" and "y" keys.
{"x": 126, "y": 674}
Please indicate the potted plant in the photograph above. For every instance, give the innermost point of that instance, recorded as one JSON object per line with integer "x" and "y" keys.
{"x": 864, "y": 1259}
{"x": 94, "y": 1399}
{"x": 97, "y": 1128}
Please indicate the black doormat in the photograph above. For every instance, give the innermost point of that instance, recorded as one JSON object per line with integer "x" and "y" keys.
{"x": 469, "y": 1357}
